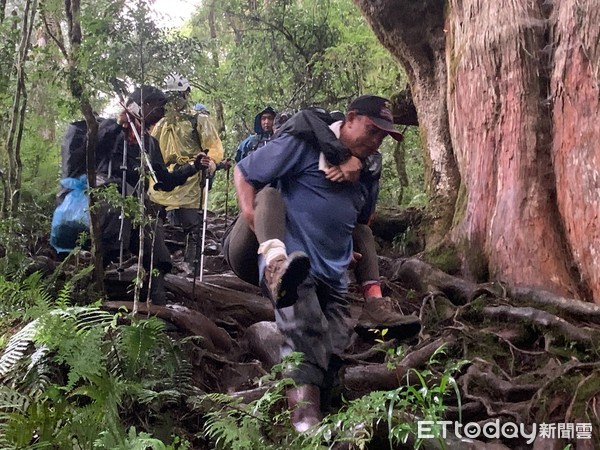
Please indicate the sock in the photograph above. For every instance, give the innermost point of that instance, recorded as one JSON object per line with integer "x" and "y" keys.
{"x": 271, "y": 249}
{"x": 371, "y": 289}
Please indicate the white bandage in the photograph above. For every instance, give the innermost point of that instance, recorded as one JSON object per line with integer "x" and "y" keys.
{"x": 272, "y": 249}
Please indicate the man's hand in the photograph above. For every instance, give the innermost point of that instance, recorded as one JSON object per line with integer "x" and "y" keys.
{"x": 356, "y": 257}
{"x": 349, "y": 170}
{"x": 202, "y": 162}
{"x": 226, "y": 165}
{"x": 123, "y": 120}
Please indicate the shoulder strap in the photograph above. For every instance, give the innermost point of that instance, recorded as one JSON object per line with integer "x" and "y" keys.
{"x": 194, "y": 121}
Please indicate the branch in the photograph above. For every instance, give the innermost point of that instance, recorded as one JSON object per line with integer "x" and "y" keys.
{"x": 59, "y": 44}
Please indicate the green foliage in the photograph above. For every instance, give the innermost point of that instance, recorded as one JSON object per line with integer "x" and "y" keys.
{"x": 403, "y": 177}
{"x": 111, "y": 195}
{"x": 23, "y": 297}
{"x": 263, "y": 423}
{"x": 70, "y": 375}
{"x": 287, "y": 54}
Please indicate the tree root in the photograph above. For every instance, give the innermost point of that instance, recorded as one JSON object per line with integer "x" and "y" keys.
{"x": 577, "y": 309}
{"x": 544, "y": 320}
{"x": 422, "y": 277}
{"x": 367, "y": 378}
{"x": 214, "y": 339}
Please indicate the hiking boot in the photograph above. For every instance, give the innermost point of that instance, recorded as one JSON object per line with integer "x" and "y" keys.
{"x": 379, "y": 314}
{"x": 283, "y": 276}
{"x": 305, "y": 408}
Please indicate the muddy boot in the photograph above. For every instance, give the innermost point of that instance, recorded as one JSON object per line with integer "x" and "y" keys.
{"x": 305, "y": 407}
{"x": 284, "y": 275}
{"x": 379, "y": 314}
{"x": 158, "y": 294}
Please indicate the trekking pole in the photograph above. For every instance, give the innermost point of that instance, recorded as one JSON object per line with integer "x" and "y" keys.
{"x": 123, "y": 193}
{"x": 202, "y": 180}
{"x": 227, "y": 191}
{"x": 206, "y": 187}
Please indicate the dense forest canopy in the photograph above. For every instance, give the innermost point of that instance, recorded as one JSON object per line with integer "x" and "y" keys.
{"x": 239, "y": 57}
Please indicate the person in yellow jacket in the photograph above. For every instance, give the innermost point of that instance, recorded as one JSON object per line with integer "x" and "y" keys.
{"x": 183, "y": 134}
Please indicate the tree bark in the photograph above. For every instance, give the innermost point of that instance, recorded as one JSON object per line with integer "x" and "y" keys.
{"x": 507, "y": 95}
{"x": 414, "y": 33}
{"x": 498, "y": 93}
{"x": 17, "y": 116}
{"x": 72, "y": 10}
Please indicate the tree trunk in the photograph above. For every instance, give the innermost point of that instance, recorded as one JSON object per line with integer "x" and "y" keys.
{"x": 414, "y": 33}
{"x": 507, "y": 93}
{"x": 17, "y": 115}
{"x": 72, "y": 10}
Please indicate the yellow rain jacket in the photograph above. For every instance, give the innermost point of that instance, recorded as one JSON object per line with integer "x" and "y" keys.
{"x": 180, "y": 145}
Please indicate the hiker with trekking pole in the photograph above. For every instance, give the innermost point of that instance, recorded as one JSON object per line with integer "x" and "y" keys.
{"x": 131, "y": 149}
{"x": 185, "y": 135}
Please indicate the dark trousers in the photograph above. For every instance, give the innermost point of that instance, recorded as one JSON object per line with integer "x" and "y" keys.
{"x": 319, "y": 326}
{"x": 154, "y": 238}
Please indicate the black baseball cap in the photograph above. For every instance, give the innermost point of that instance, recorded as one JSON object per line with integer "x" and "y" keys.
{"x": 379, "y": 111}
{"x": 150, "y": 94}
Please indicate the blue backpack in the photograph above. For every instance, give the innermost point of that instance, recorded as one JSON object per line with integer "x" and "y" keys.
{"x": 72, "y": 216}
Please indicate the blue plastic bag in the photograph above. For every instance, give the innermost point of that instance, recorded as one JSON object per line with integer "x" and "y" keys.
{"x": 72, "y": 216}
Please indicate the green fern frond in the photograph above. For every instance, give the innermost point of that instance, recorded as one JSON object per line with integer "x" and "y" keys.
{"x": 64, "y": 295}
{"x": 136, "y": 341}
{"x": 17, "y": 348}
{"x": 164, "y": 397}
{"x": 91, "y": 317}
{"x": 39, "y": 373}
{"x": 12, "y": 400}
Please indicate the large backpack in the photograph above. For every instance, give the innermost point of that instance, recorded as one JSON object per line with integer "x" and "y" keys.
{"x": 73, "y": 147}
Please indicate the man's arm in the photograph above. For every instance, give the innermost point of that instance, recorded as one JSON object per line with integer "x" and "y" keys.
{"x": 245, "y": 195}
{"x": 167, "y": 181}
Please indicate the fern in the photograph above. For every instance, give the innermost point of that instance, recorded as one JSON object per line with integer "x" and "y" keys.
{"x": 136, "y": 342}
{"x": 16, "y": 350}
{"x": 75, "y": 369}
{"x": 24, "y": 298}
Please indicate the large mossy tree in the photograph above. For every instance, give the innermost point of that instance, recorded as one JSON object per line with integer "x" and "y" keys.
{"x": 507, "y": 95}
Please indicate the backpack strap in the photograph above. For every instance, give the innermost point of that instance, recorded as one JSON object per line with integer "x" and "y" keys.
{"x": 194, "y": 121}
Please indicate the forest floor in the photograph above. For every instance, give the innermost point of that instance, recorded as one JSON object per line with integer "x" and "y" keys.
{"x": 518, "y": 356}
